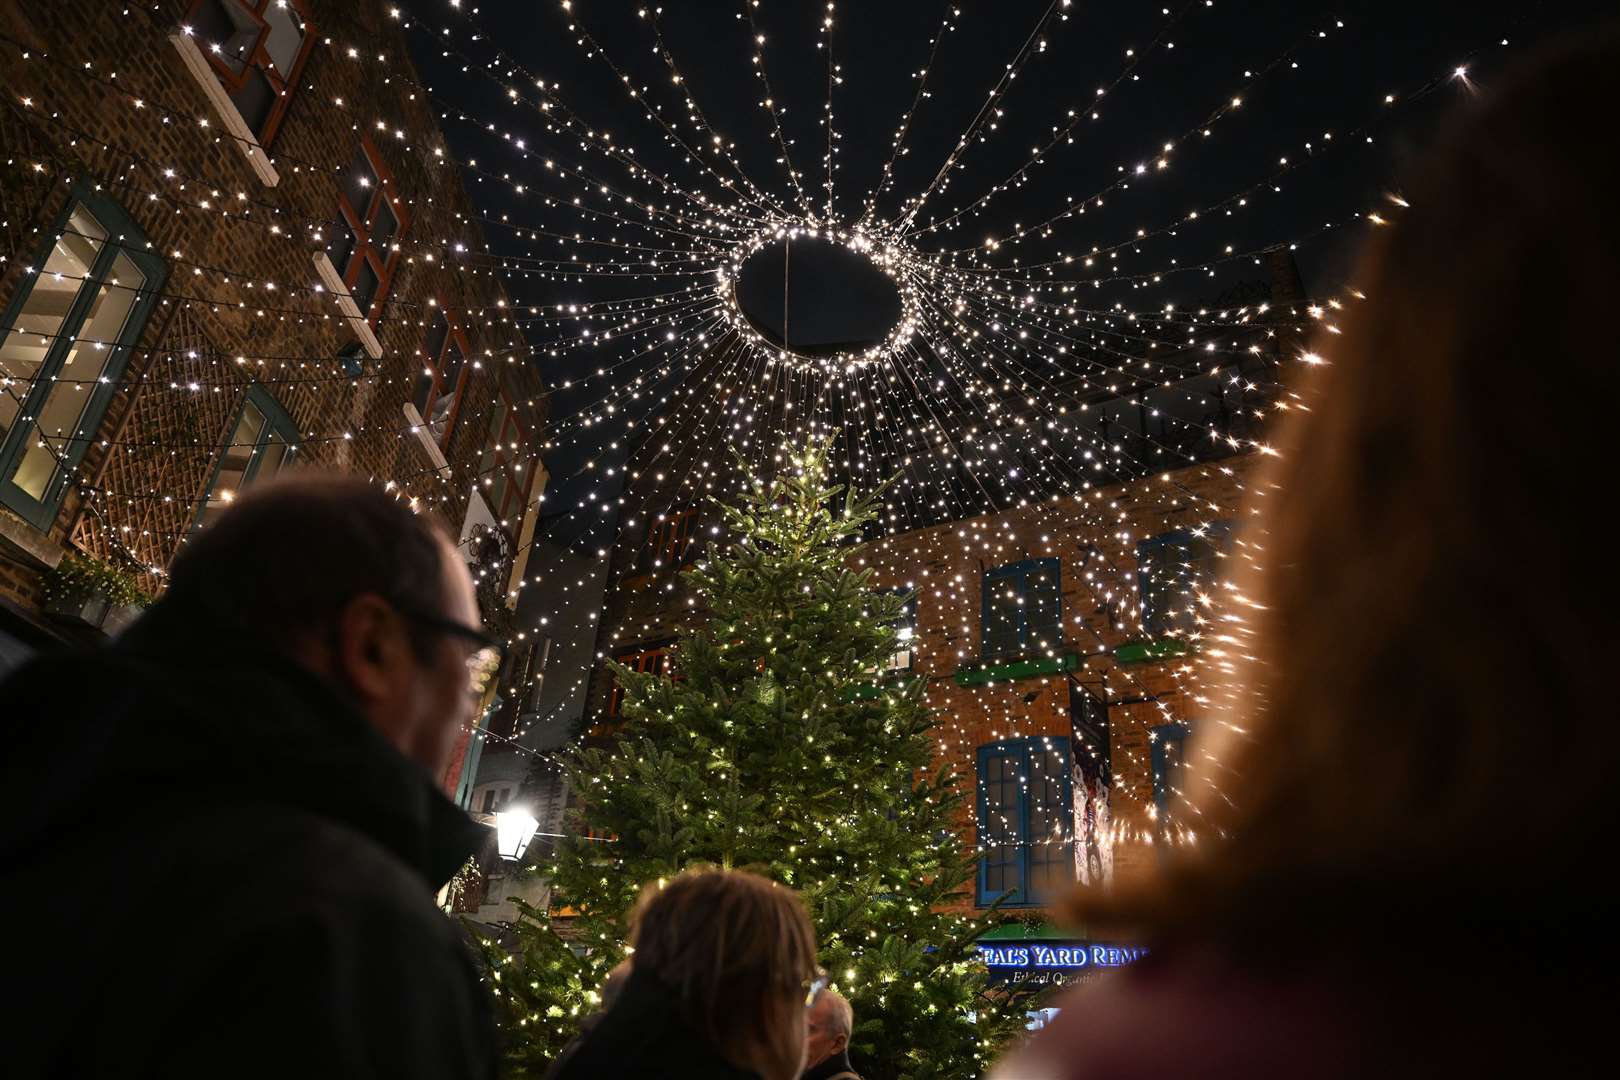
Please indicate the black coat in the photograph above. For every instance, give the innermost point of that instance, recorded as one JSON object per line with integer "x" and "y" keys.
{"x": 643, "y": 1036}
{"x": 211, "y": 865}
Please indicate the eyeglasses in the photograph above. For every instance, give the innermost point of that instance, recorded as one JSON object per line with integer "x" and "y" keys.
{"x": 815, "y": 984}
{"x": 482, "y": 664}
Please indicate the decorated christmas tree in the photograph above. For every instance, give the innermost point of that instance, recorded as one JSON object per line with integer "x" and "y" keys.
{"x": 777, "y": 744}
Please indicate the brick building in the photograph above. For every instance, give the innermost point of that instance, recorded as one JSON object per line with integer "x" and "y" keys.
{"x": 1055, "y": 637}
{"x": 232, "y": 238}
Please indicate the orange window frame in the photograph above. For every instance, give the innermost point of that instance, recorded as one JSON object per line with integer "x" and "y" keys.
{"x": 515, "y": 493}
{"x": 257, "y": 58}
{"x": 649, "y": 661}
{"x": 362, "y": 222}
{"x": 433, "y": 385}
{"x": 669, "y": 538}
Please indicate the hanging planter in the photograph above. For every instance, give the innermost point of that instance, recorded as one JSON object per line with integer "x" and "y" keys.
{"x": 88, "y": 592}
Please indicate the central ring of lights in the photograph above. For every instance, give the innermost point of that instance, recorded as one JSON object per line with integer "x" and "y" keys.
{"x": 888, "y": 257}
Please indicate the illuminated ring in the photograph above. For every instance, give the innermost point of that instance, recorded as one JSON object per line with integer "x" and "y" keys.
{"x": 888, "y": 257}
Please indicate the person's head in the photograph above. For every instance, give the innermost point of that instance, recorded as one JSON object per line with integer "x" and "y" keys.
{"x": 739, "y": 953}
{"x": 1403, "y": 704}
{"x": 827, "y": 1028}
{"x": 345, "y": 580}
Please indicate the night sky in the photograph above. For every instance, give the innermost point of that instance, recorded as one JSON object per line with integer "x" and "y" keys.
{"x": 1338, "y": 86}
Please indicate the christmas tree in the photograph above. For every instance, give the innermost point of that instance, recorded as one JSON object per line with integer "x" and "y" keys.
{"x": 777, "y": 744}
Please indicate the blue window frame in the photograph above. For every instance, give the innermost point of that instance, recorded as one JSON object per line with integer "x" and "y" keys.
{"x": 1026, "y": 821}
{"x": 1173, "y": 568}
{"x": 65, "y": 338}
{"x": 262, "y": 441}
{"x": 1168, "y": 745}
{"x": 1022, "y": 611}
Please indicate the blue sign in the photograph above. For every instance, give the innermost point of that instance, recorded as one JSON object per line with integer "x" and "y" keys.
{"x": 1053, "y": 962}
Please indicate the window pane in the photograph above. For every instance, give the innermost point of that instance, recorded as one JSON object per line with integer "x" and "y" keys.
{"x": 383, "y": 228}
{"x": 234, "y": 461}
{"x": 254, "y": 100}
{"x": 360, "y": 183}
{"x": 438, "y": 333}
{"x": 63, "y": 417}
{"x": 286, "y": 37}
{"x": 275, "y": 456}
{"x": 225, "y": 30}
{"x": 58, "y": 284}
{"x": 343, "y": 247}
{"x": 365, "y": 288}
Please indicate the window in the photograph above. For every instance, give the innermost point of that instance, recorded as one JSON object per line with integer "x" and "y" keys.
{"x": 489, "y": 800}
{"x": 257, "y": 48}
{"x": 1023, "y": 609}
{"x": 443, "y": 377}
{"x": 1168, "y": 743}
{"x": 1176, "y": 574}
{"x": 1026, "y": 829}
{"x": 904, "y": 656}
{"x": 653, "y": 661}
{"x": 64, "y": 338}
{"x": 499, "y": 469}
{"x": 670, "y": 537}
{"x": 263, "y": 441}
{"x": 372, "y": 217}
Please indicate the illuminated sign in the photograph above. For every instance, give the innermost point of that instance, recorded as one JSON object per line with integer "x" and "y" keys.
{"x": 1052, "y": 962}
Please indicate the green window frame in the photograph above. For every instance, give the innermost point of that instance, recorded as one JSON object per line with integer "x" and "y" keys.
{"x": 65, "y": 339}
{"x": 260, "y": 441}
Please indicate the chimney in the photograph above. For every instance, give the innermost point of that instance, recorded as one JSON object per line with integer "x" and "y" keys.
{"x": 1286, "y": 286}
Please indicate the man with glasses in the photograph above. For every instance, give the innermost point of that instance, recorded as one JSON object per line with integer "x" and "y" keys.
{"x": 222, "y": 834}
{"x": 829, "y": 1021}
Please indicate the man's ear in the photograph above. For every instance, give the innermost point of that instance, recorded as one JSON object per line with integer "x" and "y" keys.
{"x": 372, "y": 648}
{"x": 841, "y": 1043}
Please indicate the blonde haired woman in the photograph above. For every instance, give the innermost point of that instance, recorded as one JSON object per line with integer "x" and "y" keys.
{"x": 724, "y": 965}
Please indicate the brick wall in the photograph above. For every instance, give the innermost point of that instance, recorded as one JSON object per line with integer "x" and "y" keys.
{"x": 242, "y": 301}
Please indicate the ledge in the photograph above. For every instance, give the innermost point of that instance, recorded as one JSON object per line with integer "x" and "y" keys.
{"x": 1017, "y": 669}
{"x": 202, "y": 71}
{"x": 351, "y": 311}
{"x": 419, "y": 428}
{"x": 1140, "y": 652}
{"x": 27, "y": 544}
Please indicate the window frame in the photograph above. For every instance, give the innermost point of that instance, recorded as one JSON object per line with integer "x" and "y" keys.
{"x": 432, "y": 369}
{"x": 258, "y": 59}
{"x": 123, "y": 236}
{"x": 638, "y": 661}
{"x": 1153, "y": 621}
{"x": 277, "y": 421}
{"x": 362, "y": 225}
{"x": 1020, "y": 751}
{"x": 505, "y": 459}
{"x": 669, "y": 537}
{"x": 908, "y": 619}
{"x": 1022, "y": 571}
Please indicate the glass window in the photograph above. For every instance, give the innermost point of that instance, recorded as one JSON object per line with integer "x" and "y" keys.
{"x": 262, "y": 442}
{"x": 652, "y": 660}
{"x": 64, "y": 338}
{"x": 439, "y": 387}
{"x": 1022, "y": 613}
{"x": 256, "y": 48}
{"x": 1168, "y": 745}
{"x": 372, "y": 217}
{"x": 1025, "y": 821}
{"x": 1176, "y": 575}
{"x": 506, "y": 485}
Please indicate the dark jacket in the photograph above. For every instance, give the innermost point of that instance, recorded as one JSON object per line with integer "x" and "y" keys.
{"x": 837, "y": 1065}
{"x": 210, "y": 864}
{"x": 644, "y": 1035}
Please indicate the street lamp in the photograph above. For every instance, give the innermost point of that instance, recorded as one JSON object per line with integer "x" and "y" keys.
{"x": 514, "y": 829}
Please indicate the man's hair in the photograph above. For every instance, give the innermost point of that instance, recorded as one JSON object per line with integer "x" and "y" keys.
{"x": 289, "y": 555}
{"x": 843, "y": 1017}
{"x": 736, "y": 949}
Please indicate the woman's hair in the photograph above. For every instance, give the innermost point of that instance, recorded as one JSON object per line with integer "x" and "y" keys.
{"x": 1410, "y": 706}
{"x": 737, "y": 950}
